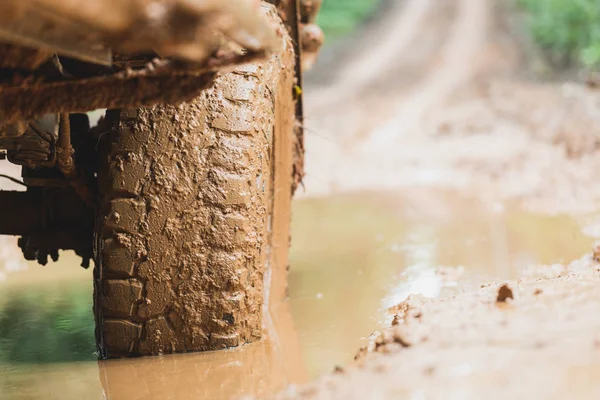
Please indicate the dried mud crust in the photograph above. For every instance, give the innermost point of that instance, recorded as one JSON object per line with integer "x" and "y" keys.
{"x": 183, "y": 230}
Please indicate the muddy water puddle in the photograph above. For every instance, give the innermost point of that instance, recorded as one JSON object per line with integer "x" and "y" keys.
{"x": 353, "y": 256}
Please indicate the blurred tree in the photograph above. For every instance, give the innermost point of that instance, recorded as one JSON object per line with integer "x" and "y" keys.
{"x": 339, "y": 17}
{"x": 567, "y": 30}
{"x": 46, "y": 325}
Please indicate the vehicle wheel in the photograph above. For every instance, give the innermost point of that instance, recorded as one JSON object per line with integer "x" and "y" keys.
{"x": 194, "y": 214}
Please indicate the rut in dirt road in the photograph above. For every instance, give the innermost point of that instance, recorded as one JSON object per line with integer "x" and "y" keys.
{"x": 362, "y": 124}
{"x": 456, "y": 111}
{"x": 457, "y": 65}
{"x": 400, "y": 29}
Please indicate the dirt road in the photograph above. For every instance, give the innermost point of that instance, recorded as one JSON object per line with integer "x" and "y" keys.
{"x": 441, "y": 100}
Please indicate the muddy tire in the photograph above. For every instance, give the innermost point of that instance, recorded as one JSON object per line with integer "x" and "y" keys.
{"x": 194, "y": 215}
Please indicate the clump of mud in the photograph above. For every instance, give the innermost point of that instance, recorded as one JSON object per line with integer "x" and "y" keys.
{"x": 504, "y": 293}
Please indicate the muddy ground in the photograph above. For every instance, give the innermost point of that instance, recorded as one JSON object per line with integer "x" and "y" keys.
{"x": 450, "y": 94}
{"x": 446, "y": 98}
{"x": 533, "y": 338}
{"x": 436, "y": 102}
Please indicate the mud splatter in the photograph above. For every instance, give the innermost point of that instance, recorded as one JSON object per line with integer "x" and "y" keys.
{"x": 504, "y": 293}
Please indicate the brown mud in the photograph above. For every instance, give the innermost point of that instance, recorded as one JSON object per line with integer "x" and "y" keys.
{"x": 466, "y": 116}
{"x": 387, "y": 247}
{"x": 259, "y": 368}
{"x": 544, "y": 342}
{"x": 456, "y": 148}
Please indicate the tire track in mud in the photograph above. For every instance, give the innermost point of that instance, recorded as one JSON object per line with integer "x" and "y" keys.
{"x": 358, "y": 165}
{"x": 401, "y": 30}
{"x": 458, "y": 65}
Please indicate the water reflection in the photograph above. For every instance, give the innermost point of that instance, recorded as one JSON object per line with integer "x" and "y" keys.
{"x": 257, "y": 369}
{"x": 46, "y": 325}
{"x": 352, "y": 258}
{"x": 47, "y": 342}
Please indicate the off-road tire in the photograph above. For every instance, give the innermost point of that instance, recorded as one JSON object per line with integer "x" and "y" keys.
{"x": 194, "y": 214}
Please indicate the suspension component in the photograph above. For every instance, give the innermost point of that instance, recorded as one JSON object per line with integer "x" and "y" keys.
{"x": 66, "y": 161}
{"x": 34, "y": 148}
{"x": 48, "y": 219}
{"x": 65, "y": 151}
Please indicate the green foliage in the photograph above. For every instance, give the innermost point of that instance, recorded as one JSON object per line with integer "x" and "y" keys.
{"x": 567, "y": 30}
{"x": 45, "y": 325}
{"x": 339, "y": 17}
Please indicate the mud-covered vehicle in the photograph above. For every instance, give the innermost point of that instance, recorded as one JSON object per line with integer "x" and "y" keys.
{"x": 181, "y": 192}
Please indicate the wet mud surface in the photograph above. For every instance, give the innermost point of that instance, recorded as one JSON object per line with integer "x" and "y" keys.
{"x": 186, "y": 195}
{"x": 541, "y": 341}
{"x": 388, "y": 246}
{"x": 460, "y": 110}
{"x": 434, "y": 166}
